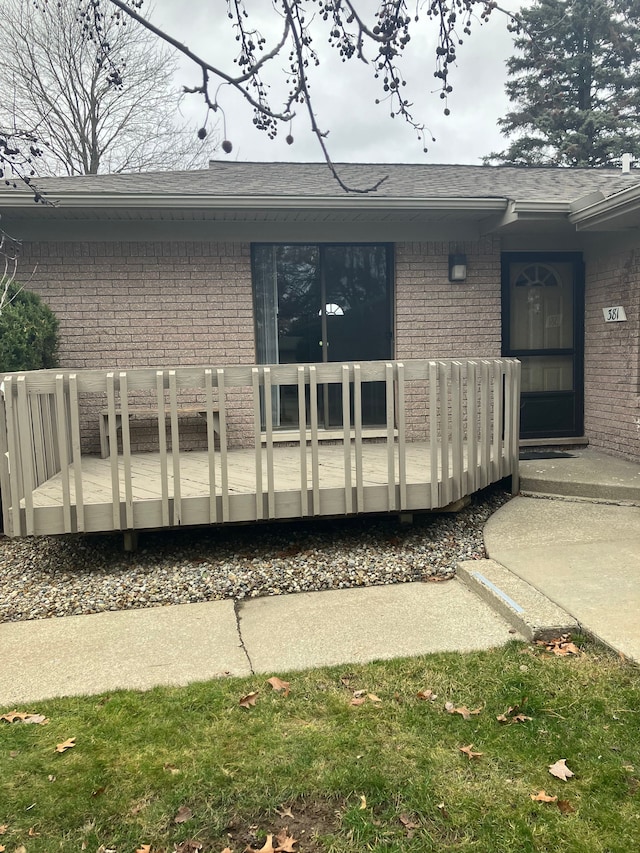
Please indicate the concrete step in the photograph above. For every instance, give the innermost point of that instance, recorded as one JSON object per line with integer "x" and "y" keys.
{"x": 530, "y": 612}
{"x": 588, "y": 475}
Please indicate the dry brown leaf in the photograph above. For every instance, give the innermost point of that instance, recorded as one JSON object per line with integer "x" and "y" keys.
{"x": 565, "y": 807}
{"x": 514, "y": 714}
{"x": 468, "y": 750}
{"x": 2, "y": 848}
{"x": 560, "y": 646}
{"x": 268, "y": 847}
{"x": 25, "y": 717}
{"x": 184, "y": 814}
{"x": 65, "y": 745}
{"x": 279, "y": 685}
{"x": 170, "y": 768}
{"x": 146, "y": 848}
{"x": 3, "y": 828}
{"x": 363, "y": 802}
{"x": 443, "y": 810}
{"x": 249, "y": 700}
{"x": 543, "y": 797}
{"x": 464, "y": 712}
{"x": 358, "y": 700}
{"x": 373, "y": 697}
{"x": 358, "y": 694}
{"x": 427, "y": 695}
{"x": 21, "y": 849}
{"x": 190, "y": 845}
{"x": 285, "y": 812}
{"x": 227, "y": 850}
{"x": 560, "y": 770}
{"x": 285, "y": 842}
{"x": 32, "y": 832}
{"x": 407, "y": 822}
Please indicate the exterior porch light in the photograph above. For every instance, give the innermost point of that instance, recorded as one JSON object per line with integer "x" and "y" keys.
{"x": 457, "y": 267}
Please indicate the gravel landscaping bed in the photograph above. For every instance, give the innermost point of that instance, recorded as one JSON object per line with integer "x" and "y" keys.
{"x": 71, "y": 575}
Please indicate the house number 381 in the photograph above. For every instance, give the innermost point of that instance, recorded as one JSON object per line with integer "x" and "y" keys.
{"x": 614, "y": 314}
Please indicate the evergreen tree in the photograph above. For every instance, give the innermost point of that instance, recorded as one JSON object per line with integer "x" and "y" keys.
{"x": 574, "y": 85}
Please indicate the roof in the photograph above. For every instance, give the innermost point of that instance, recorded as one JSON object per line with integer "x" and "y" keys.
{"x": 303, "y": 180}
{"x": 499, "y": 197}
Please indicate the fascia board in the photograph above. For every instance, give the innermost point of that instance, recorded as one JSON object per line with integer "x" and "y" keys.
{"x": 192, "y": 201}
{"x": 626, "y": 201}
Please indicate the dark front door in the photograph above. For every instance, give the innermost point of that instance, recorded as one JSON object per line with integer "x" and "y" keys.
{"x": 324, "y": 303}
{"x": 543, "y": 304}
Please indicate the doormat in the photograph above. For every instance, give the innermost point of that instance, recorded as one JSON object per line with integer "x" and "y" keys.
{"x": 534, "y": 455}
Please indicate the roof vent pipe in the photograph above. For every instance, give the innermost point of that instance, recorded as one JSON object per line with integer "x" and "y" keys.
{"x": 626, "y": 164}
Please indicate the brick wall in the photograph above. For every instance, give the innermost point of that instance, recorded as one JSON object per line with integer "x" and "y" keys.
{"x": 436, "y": 318}
{"x": 612, "y": 350}
{"x": 127, "y": 304}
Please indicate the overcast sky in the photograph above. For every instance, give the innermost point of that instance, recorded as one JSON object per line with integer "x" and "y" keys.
{"x": 359, "y": 129}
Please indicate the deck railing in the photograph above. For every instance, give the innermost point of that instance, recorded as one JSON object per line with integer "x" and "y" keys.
{"x": 464, "y": 411}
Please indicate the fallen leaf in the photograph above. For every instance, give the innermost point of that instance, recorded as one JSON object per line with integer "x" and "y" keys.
{"x": 32, "y": 832}
{"x": 189, "y": 846}
{"x": 146, "y": 848}
{"x": 427, "y": 695}
{"x": 25, "y": 717}
{"x": 249, "y": 700}
{"x": 565, "y": 807}
{"x": 3, "y": 828}
{"x": 268, "y": 847}
{"x": 407, "y": 822}
{"x": 65, "y": 745}
{"x": 21, "y": 849}
{"x": 279, "y": 685}
{"x": 358, "y": 694}
{"x": 98, "y": 791}
{"x": 2, "y": 848}
{"x": 51, "y": 778}
{"x": 171, "y": 769}
{"x": 285, "y": 842}
{"x": 358, "y": 700}
{"x": 468, "y": 750}
{"x": 363, "y": 802}
{"x": 543, "y": 797}
{"x": 227, "y": 850}
{"x": 184, "y": 814}
{"x": 373, "y": 697}
{"x": 464, "y": 712}
{"x": 560, "y": 646}
{"x": 560, "y": 770}
{"x": 285, "y": 812}
{"x": 514, "y": 714}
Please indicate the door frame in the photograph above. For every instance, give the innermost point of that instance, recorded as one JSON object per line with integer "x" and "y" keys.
{"x": 577, "y": 351}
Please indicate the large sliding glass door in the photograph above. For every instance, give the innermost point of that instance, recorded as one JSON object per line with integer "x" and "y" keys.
{"x": 317, "y": 303}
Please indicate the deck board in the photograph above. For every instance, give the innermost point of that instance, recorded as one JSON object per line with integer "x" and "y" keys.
{"x": 194, "y": 473}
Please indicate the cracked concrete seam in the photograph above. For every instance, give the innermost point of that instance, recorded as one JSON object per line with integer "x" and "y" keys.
{"x": 236, "y": 609}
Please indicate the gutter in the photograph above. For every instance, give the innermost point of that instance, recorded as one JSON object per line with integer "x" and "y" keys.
{"x": 606, "y": 209}
{"x": 13, "y": 200}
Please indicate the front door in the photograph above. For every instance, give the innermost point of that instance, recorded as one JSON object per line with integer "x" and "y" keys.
{"x": 542, "y": 326}
{"x": 328, "y": 302}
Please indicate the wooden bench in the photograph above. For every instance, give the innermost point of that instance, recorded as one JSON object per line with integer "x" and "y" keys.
{"x": 151, "y": 412}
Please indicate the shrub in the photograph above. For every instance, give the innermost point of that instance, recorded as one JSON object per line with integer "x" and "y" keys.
{"x": 28, "y": 332}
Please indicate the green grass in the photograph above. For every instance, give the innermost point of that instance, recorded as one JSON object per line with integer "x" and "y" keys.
{"x": 315, "y": 753}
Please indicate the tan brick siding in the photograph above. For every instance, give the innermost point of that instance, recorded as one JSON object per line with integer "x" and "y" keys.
{"x": 436, "y": 318}
{"x": 128, "y": 304}
{"x": 612, "y": 350}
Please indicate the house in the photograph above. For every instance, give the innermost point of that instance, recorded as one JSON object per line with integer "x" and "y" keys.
{"x": 273, "y": 264}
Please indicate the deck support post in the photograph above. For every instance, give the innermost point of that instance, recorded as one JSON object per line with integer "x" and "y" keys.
{"x": 405, "y": 517}
{"x": 130, "y": 540}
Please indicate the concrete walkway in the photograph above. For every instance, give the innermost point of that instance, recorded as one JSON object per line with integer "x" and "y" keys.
{"x": 194, "y": 642}
{"x": 584, "y": 557}
{"x": 558, "y": 564}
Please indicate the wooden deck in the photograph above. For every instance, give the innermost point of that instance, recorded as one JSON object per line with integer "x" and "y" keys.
{"x": 50, "y": 486}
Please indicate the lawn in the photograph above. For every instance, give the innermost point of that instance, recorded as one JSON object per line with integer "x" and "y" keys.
{"x": 359, "y": 758}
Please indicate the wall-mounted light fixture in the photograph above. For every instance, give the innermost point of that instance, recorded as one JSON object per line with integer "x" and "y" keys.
{"x": 457, "y": 267}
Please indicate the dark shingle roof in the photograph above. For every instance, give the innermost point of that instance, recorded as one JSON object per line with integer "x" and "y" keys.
{"x": 296, "y": 180}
